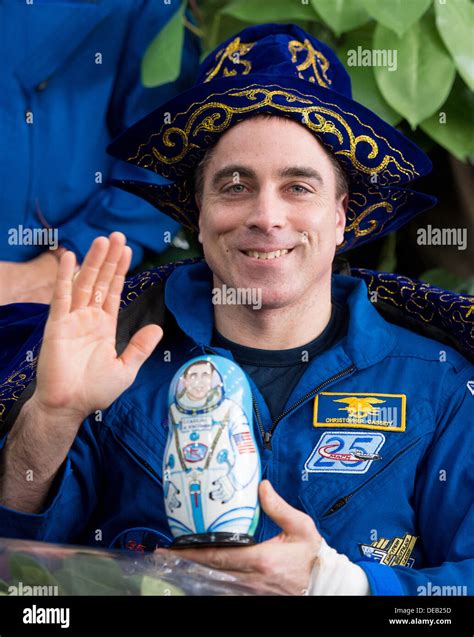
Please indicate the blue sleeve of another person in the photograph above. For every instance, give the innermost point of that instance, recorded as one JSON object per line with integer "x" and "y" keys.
{"x": 110, "y": 208}
{"x": 72, "y": 83}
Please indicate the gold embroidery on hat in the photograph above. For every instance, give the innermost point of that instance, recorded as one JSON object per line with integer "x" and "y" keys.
{"x": 314, "y": 59}
{"x": 172, "y": 135}
{"x": 372, "y": 223}
{"x": 233, "y": 52}
{"x": 214, "y": 116}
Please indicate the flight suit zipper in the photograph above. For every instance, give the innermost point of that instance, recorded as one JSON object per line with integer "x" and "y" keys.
{"x": 268, "y": 435}
{"x": 345, "y": 499}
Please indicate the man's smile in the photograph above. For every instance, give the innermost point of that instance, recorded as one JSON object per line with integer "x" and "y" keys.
{"x": 267, "y": 255}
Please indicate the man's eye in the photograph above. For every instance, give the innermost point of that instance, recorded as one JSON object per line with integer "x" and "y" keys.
{"x": 302, "y": 189}
{"x": 232, "y": 188}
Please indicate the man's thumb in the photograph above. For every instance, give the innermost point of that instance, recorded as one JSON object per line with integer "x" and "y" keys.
{"x": 141, "y": 346}
{"x": 290, "y": 520}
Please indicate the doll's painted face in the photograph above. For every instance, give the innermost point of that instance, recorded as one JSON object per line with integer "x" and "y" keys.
{"x": 197, "y": 380}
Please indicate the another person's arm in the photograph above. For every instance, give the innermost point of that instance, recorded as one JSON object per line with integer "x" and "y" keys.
{"x": 111, "y": 208}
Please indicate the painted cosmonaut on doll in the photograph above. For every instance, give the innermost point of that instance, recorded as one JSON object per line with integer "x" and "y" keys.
{"x": 211, "y": 465}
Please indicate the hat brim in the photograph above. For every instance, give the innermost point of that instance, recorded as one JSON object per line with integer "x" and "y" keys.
{"x": 172, "y": 140}
{"x": 378, "y": 159}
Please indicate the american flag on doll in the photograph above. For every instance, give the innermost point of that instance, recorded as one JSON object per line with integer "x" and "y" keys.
{"x": 244, "y": 442}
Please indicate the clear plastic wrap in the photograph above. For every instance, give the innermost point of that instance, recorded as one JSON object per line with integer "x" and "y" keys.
{"x": 39, "y": 568}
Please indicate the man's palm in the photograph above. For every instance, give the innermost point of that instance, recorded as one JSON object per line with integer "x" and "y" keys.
{"x": 78, "y": 368}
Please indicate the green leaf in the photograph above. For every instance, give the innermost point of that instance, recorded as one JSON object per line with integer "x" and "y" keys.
{"x": 30, "y": 572}
{"x": 455, "y": 22}
{"x": 388, "y": 256}
{"x": 341, "y": 15}
{"x": 4, "y": 587}
{"x": 452, "y": 127}
{"x": 147, "y": 585}
{"x": 162, "y": 60}
{"x": 425, "y": 72}
{"x": 84, "y": 574}
{"x": 364, "y": 86}
{"x": 397, "y": 15}
{"x": 274, "y": 11}
{"x": 448, "y": 281}
{"x": 154, "y": 586}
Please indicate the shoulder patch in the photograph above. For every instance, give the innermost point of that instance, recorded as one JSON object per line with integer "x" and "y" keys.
{"x": 345, "y": 452}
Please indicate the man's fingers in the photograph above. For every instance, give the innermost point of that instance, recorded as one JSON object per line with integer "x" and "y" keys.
{"x": 85, "y": 280}
{"x": 112, "y": 301}
{"x": 141, "y": 346}
{"x": 292, "y": 521}
{"x": 108, "y": 269}
{"x": 61, "y": 301}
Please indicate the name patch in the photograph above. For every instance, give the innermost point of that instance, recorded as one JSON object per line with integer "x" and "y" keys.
{"x": 196, "y": 423}
{"x": 385, "y": 412}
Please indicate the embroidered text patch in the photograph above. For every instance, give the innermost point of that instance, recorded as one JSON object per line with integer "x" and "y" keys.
{"x": 386, "y": 412}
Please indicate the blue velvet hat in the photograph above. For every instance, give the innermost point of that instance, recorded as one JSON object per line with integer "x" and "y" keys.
{"x": 282, "y": 70}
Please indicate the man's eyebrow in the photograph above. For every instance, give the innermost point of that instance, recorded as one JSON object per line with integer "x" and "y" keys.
{"x": 244, "y": 171}
{"x": 301, "y": 171}
{"x": 230, "y": 170}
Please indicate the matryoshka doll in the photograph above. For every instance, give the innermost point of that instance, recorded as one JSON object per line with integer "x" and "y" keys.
{"x": 211, "y": 465}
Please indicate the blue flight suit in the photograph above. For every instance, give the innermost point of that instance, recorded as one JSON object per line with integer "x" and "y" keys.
{"x": 74, "y": 66}
{"x": 402, "y": 509}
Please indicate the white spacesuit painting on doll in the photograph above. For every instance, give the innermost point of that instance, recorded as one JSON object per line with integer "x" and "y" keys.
{"x": 211, "y": 465}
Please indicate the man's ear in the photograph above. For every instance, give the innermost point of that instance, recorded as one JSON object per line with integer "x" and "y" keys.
{"x": 198, "y": 200}
{"x": 341, "y": 210}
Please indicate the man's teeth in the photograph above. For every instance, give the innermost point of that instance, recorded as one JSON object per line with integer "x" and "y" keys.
{"x": 266, "y": 255}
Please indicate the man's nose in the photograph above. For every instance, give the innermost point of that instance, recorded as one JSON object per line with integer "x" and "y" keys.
{"x": 266, "y": 210}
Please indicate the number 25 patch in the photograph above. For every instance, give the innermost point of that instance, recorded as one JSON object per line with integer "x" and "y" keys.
{"x": 345, "y": 452}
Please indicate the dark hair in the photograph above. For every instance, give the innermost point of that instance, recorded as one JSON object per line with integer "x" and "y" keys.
{"x": 342, "y": 179}
{"x": 186, "y": 371}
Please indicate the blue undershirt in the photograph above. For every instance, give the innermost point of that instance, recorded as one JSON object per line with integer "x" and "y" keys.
{"x": 276, "y": 372}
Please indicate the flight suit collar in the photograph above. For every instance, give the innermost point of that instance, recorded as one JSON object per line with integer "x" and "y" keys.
{"x": 188, "y": 295}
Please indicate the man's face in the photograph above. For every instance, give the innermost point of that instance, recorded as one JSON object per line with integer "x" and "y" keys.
{"x": 269, "y": 216}
{"x": 197, "y": 381}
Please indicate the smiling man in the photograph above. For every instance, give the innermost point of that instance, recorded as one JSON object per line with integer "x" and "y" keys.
{"x": 272, "y": 221}
{"x": 358, "y": 420}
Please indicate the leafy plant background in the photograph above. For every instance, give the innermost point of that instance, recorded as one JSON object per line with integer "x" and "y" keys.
{"x": 83, "y": 574}
{"x": 429, "y": 98}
